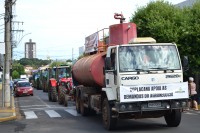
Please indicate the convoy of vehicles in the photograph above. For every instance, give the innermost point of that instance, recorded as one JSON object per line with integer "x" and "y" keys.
{"x": 123, "y": 77}
{"x": 130, "y": 77}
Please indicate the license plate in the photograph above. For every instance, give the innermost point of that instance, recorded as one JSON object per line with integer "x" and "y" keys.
{"x": 25, "y": 91}
{"x": 154, "y": 104}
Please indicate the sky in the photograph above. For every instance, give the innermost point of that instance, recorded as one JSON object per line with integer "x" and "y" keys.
{"x": 59, "y": 27}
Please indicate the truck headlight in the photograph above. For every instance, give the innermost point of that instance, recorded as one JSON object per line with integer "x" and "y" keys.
{"x": 122, "y": 108}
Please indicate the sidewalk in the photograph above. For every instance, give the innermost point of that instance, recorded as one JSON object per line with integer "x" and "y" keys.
{"x": 7, "y": 113}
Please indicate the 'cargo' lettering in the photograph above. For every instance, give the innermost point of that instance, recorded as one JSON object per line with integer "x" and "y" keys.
{"x": 130, "y": 78}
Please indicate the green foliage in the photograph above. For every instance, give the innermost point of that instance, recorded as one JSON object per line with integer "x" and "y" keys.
{"x": 15, "y": 74}
{"x": 69, "y": 60}
{"x": 167, "y": 23}
{"x": 157, "y": 20}
{"x": 17, "y": 70}
{"x": 35, "y": 63}
{"x": 57, "y": 63}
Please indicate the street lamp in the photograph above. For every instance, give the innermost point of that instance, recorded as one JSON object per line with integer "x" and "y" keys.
{"x": 14, "y": 46}
{"x": 22, "y": 38}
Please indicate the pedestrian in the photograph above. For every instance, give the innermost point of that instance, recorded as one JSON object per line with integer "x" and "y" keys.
{"x": 193, "y": 93}
{"x": 11, "y": 86}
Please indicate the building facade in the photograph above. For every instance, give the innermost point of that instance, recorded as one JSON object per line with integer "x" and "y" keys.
{"x": 30, "y": 49}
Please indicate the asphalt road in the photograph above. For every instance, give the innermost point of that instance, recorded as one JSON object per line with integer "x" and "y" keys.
{"x": 38, "y": 115}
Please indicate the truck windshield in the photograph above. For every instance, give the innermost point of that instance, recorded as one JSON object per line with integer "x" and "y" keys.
{"x": 148, "y": 57}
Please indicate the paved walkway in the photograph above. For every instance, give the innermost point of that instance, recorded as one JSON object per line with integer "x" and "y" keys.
{"x": 7, "y": 113}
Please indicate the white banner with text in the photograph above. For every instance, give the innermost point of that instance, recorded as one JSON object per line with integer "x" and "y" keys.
{"x": 154, "y": 92}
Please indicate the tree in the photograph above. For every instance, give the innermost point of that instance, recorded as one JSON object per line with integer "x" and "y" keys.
{"x": 190, "y": 37}
{"x": 35, "y": 62}
{"x": 15, "y": 74}
{"x": 17, "y": 69}
{"x": 57, "y": 63}
{"x": 157, "y": 20}
{"x": 167, "y": 23}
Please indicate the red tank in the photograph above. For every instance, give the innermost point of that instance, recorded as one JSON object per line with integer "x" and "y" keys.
{"x": 88, "y": 71}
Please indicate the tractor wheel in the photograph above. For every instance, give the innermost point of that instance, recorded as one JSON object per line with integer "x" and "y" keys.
{"x": 60, "y": 97}
{"x": 38, "y": 86}
{"x": 173, "y": 118}
{"x": 66, "y": 100}
{"x": 49, "y": 94}
{"x": 108, "y": 122}
{"x": 54, "y": 95}
{"x": 43, "y": 88}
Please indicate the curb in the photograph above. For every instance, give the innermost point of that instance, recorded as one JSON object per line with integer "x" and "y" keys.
{"x": 8, "y": 114}
{"x": 8, "y": 118}
{"x": 8, "y": 111}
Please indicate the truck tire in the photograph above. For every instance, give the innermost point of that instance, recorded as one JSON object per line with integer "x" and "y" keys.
{"x": 173, "y": 118}
{"x": 84, "y": 110}
{"x": 78, "y": 102}
{"x": 108, "y": 122}
{"x": 54, "y": 94}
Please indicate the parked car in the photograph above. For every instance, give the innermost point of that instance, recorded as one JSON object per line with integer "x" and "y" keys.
{"x": 15, "y": 82}
{"x": 23, "y": 88}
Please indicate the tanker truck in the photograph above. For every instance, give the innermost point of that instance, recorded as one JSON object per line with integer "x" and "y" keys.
{"x": 129, "y": 77}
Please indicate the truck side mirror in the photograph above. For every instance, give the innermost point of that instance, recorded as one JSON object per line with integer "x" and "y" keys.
{"x": 185, "y": 63}
{"x": 108, "y": 63}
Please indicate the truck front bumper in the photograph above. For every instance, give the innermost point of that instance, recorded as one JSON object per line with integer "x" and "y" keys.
{"x": 150, "y": 106}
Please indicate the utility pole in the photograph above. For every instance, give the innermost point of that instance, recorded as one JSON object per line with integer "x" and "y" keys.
{"x": 7, "y": 59}
{"x": 72, "y": 55}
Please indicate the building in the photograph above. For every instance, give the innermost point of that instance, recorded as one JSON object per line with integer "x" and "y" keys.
{"x": 30, "y": 49}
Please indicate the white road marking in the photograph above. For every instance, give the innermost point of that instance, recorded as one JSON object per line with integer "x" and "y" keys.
{"x": 44, "y": 108}
{"x": 28, "y": 106}
{"x": 188, "y": 113}
{"x": 72, "y": 111}
{"x": 52, "y": 113}
{"x": 30, "y": 115}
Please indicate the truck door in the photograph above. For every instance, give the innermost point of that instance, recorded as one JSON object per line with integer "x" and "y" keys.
{"x": 111, "y": 75}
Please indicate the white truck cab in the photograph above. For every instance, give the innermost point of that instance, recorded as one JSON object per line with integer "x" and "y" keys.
{"x": 145, "y": 80}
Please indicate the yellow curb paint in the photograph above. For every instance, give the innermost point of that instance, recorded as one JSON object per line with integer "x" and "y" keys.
{"x": 7, "y": 110}
{"x": 8, "y": 118}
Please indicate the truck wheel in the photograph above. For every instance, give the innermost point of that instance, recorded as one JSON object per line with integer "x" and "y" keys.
{"x": 49, "y": 94}
{"x": 54, "y": 94}
{"x": 78, "y": 104}
{"x": 173, "y": 118}
{"x": 108, "y": 122}
{"x": 66, "y": 101}
{"x": 84, "y": 110}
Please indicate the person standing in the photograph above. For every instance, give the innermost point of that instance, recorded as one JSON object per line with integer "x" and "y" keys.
{"x": 193, "y": 93}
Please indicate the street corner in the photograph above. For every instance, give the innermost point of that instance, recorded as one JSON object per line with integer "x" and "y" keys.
{"x": 7, "y": 114}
